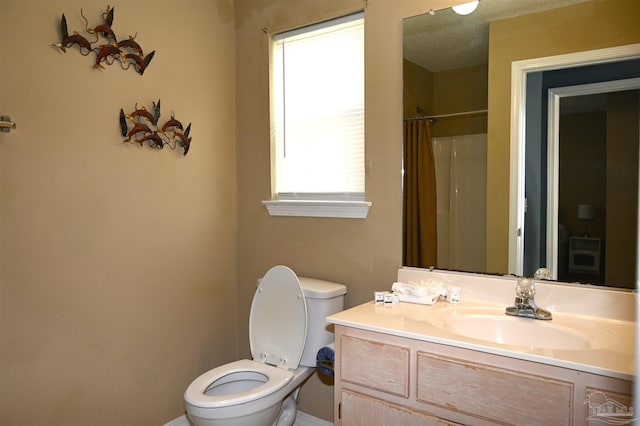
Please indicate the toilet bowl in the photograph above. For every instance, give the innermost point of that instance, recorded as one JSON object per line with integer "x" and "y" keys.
{"x": 243, "y": 392}
{"x": 287, "y": 326}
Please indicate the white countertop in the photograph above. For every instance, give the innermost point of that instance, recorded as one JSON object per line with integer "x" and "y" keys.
{"x": 613, "y": 355}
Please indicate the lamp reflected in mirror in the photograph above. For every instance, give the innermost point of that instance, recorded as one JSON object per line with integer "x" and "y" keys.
{"x": 586, "y": 213}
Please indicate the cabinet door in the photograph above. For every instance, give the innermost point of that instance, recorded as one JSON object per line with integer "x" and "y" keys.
{"x": 375, "y": 365}
{"x": 356, "y": 409}
{"x": 496, "y": 394}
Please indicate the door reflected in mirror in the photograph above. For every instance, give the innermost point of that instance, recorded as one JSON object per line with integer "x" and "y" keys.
{"x": 582, "y": 185}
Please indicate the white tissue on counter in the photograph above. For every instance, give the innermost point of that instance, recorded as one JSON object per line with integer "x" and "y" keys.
{"x": 424, "y": 293}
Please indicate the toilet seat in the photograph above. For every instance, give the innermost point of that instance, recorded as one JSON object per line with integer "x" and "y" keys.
{"x": 245, "y": 369}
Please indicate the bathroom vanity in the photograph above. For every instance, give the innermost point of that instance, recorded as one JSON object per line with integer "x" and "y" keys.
{"x": 469, "y": 363}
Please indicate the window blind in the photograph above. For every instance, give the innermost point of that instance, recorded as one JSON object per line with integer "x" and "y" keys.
{"x": 318, "y": 111}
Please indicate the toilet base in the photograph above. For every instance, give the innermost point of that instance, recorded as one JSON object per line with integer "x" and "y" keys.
{"x": 283, "y": 414}
{"x": 266, "y": 417}
{"x": 289, "y": 409}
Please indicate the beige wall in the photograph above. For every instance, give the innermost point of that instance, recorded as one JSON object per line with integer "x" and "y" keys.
{"x": 363, "y": 254}
{"x": 463, "y": 89}
{"x": 117, "y": 263}
{"x": 451, "y": 91}
{"x": 417, "y": 90}
{"x": 118, "y": 281}
{"x": 591, "y": 25}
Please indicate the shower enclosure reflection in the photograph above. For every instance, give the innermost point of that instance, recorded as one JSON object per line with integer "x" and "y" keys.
{"x": 461, "y": 188}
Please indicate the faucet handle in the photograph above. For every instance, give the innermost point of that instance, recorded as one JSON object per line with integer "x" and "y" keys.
{"x": 525, "y": 288}
{"x": 524, "y": 304}
{"x": 543, "y": 274}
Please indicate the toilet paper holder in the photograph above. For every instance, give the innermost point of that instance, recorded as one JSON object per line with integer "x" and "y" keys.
{"x": 6, "y": 125}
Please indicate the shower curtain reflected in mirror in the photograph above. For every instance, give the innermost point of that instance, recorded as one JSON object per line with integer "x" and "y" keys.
{"x": 444, "y": 199}
{"x": 419, "y": 196}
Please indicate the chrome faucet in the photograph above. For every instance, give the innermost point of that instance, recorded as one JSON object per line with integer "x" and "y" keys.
{"x": 525, "y": 305}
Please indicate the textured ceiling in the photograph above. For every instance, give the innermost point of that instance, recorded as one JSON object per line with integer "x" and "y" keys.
{"x": 446, "y": 40}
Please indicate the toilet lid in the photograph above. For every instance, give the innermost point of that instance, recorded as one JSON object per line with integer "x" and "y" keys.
{"x": 278, "y": 319}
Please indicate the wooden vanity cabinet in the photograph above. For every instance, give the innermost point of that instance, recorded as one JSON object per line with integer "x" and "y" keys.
{"x": 383, "y": 379}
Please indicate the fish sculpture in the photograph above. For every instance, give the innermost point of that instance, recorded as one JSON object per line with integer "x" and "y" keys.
{"x": 103, "y": 29}
{"x": 141, "y": 126}
{"x": 126, "y": 51}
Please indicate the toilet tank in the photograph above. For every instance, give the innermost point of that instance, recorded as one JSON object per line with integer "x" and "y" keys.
{"x": 323, "y": 298}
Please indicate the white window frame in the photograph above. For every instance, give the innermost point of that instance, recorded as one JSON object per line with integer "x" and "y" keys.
{"x": 313, "y": 204}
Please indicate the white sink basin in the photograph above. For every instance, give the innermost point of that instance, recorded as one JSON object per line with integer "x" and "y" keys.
{"x": 492, "y": 325}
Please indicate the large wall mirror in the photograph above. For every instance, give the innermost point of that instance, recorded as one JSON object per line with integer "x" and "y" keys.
{"x": 550, "y": 181}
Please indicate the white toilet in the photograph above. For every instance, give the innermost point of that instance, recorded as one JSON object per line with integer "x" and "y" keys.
{"x": 287, "y": 327}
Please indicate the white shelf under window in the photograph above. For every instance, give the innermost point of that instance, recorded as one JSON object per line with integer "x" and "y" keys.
{"x": 318, "y": 208}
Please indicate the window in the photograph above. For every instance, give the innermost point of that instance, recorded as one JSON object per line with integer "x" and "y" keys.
{"x": 317, "y": 120}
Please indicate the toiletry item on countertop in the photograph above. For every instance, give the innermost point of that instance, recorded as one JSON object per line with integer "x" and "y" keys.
{"x": 453, "y": 294}
{"x": 386, "y": 298}
{"x": 425, "y": 293}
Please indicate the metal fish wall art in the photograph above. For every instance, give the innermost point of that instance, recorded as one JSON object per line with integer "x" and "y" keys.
{"x": 141, "y": 126}
{"x": 104, "y": 44}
